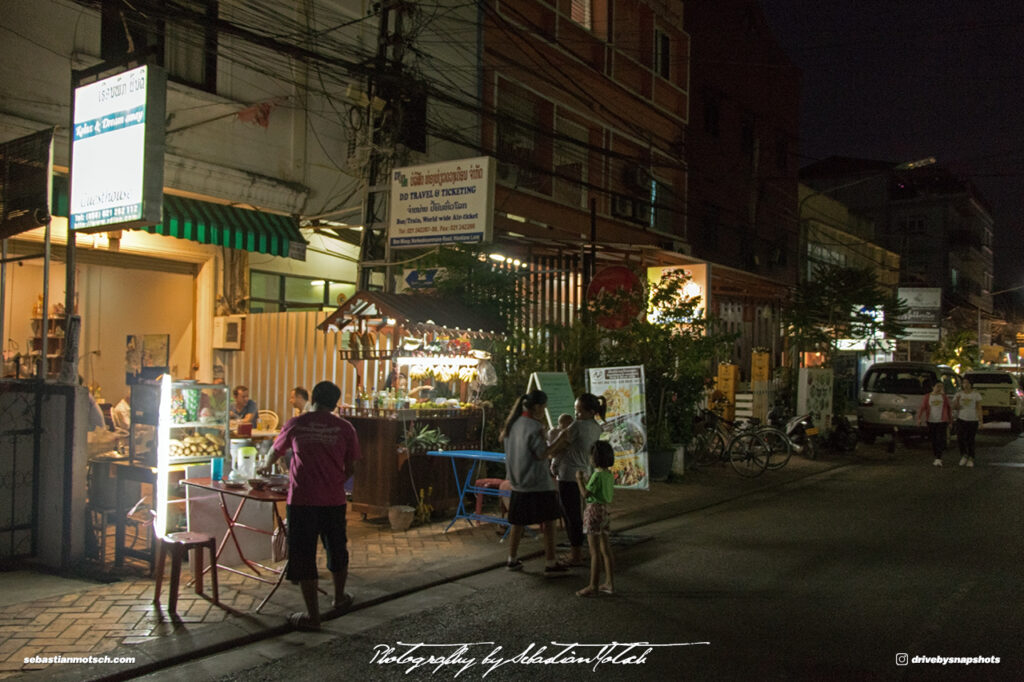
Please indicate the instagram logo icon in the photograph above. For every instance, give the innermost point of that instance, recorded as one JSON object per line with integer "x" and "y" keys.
{"x": 902, "y": 659}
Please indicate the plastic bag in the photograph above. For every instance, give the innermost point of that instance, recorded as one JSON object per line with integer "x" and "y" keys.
{"x": 279, "y": 543}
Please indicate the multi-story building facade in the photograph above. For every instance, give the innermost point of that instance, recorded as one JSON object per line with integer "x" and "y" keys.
{"x": 937, "y": 223}
{"x": 835, "y": 235}
{"x": 741, "y": 148}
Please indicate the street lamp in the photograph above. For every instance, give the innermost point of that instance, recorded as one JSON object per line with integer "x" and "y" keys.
{"x": 803, "y": 256}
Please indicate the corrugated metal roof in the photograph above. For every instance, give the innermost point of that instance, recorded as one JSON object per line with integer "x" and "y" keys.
{"x": 413, "y": 311}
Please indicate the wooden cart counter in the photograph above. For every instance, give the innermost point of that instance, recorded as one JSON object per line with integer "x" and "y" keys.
{"x": 388, "y": 475}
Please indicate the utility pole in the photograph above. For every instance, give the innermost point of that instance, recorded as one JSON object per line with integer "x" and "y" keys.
{"x": 384, "y": 84}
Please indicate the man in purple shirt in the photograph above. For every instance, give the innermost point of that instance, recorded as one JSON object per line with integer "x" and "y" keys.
{"x": 323, "y": 446}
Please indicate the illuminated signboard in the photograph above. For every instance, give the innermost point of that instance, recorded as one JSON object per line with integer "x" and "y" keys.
{"x": 442, "y": 203}
{"x": 117, "y": 146}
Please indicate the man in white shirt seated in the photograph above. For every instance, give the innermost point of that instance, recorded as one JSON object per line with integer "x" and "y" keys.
{"x": 298, "y": 398}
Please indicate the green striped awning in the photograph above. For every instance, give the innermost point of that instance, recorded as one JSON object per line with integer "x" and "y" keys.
{"x": 207, "y": 223}
{"x": 235, "y": 228}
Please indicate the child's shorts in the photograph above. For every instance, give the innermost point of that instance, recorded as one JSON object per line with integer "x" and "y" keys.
{"x": 597, "y": 519}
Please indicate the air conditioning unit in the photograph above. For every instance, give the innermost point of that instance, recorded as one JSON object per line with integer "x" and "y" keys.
{"x": 642, "y": 212}
{"x": 622, "y": 207}
{"x": 229, "y": 332}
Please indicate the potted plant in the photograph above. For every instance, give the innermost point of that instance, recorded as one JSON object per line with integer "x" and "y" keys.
{"x": 417, "y": 441}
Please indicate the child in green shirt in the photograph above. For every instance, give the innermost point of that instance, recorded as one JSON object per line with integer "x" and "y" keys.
{"x": 596, "y": 517}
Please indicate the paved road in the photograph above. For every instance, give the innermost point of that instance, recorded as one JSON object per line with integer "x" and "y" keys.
{"x": 829, "y": 578}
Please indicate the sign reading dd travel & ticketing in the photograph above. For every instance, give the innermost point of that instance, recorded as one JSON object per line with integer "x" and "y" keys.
{"x": 442, "y": 203}
{"x": 117, "y": 160}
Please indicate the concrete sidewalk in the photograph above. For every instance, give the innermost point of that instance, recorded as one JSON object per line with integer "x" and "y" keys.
{"x": 119, "y": 619}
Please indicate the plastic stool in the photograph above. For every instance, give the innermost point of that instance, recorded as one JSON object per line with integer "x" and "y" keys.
{"x": 178, "y": 544}
{"x": 489, "y": 483}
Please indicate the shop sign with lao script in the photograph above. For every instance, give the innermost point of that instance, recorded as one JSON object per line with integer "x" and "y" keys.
{"x": 442, "y": 203}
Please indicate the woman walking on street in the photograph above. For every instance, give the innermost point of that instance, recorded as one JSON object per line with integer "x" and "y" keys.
{"x": 935, "y": 411}
{"x": 967, "y": 405}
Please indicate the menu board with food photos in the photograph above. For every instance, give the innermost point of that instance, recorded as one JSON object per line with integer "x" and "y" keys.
{"x": 625, "y": 426}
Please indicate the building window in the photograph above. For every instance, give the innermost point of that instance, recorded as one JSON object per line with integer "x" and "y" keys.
{"x": 662, "y": 54}
{"x": 186, "y": 46}
{"x": 782, "y": 153}
{"x": 666, "y": 216}
{"x": 571, "y": 157}
{"x": 912, "y": 226}
{"x": 747, "y": 134}
{"x": 580, "y": 12}
{"x": 521, "y": 148}
{"x": 711, "y": 114}
{"x": 710, "y": 225}
{"x": 273, "y": 292}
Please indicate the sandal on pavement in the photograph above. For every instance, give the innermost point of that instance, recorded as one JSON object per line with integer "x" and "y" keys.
{"x": 301, "y": 621}
{"x": 606, "y": 589}
{"x": 556, "y": 571}
{"x": 342, "y": 607}
{"x": 587, "y": 591}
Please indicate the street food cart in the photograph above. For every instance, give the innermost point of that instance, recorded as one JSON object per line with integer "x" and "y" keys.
{"x": 411, "y": 361}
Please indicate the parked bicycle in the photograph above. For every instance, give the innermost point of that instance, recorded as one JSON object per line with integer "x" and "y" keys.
{"x": 717, "y": 439}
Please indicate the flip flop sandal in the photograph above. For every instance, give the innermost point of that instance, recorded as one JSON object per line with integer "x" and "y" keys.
{"x": 300, "y": 621}
{"x": 342, "y": 607}
{"x": 586, "y": 592}
{"x": 604, "y": 589}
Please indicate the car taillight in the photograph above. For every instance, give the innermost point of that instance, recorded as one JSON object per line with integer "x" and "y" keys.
{"x": 1013, "y": 396}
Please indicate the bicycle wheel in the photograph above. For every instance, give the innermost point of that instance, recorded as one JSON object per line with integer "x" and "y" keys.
{"x": 748, "y": 454}
{"x": 708, "y": 448}
{"x": 779, "y": 446}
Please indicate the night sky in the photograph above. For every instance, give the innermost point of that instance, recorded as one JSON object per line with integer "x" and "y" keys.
{"x": 899, "y": 80}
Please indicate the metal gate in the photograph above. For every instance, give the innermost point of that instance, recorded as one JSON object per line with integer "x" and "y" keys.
{"x": 20, "y": 433}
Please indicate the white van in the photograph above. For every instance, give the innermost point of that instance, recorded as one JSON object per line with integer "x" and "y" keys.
{"x": 891, "y": 393}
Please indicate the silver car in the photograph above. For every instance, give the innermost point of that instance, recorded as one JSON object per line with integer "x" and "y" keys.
{"x": 891, "y": 394}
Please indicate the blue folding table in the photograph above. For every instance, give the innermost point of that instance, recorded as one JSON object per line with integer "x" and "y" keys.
{"x": 468, "y": 485}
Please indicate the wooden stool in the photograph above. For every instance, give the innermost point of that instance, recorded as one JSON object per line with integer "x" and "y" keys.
{"x": 178, "y": 544}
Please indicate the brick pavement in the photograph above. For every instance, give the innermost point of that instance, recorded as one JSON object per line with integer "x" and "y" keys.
{"x": 119, "y": 618}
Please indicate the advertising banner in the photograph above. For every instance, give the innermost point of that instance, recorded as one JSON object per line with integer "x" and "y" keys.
{"x": 442, "y": 203}
{"x": 626, "y": 425}
{"x": 117, "y": 143}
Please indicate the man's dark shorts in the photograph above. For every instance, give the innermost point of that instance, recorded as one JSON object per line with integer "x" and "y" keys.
{"x": 305, "y": 526}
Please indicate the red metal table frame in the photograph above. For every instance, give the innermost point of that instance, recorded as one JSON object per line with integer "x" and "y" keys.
{"x": 246, "y": 494}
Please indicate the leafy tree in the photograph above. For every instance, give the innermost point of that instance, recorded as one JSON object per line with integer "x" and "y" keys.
{"x": 676, "y": 346}
{"x": 959, "y": 350}
{"x": 841, "y": 303}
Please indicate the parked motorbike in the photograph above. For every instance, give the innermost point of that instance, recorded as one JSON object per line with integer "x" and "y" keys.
{"x": 800, "y": 430}
{"x": 843, "y": 437}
